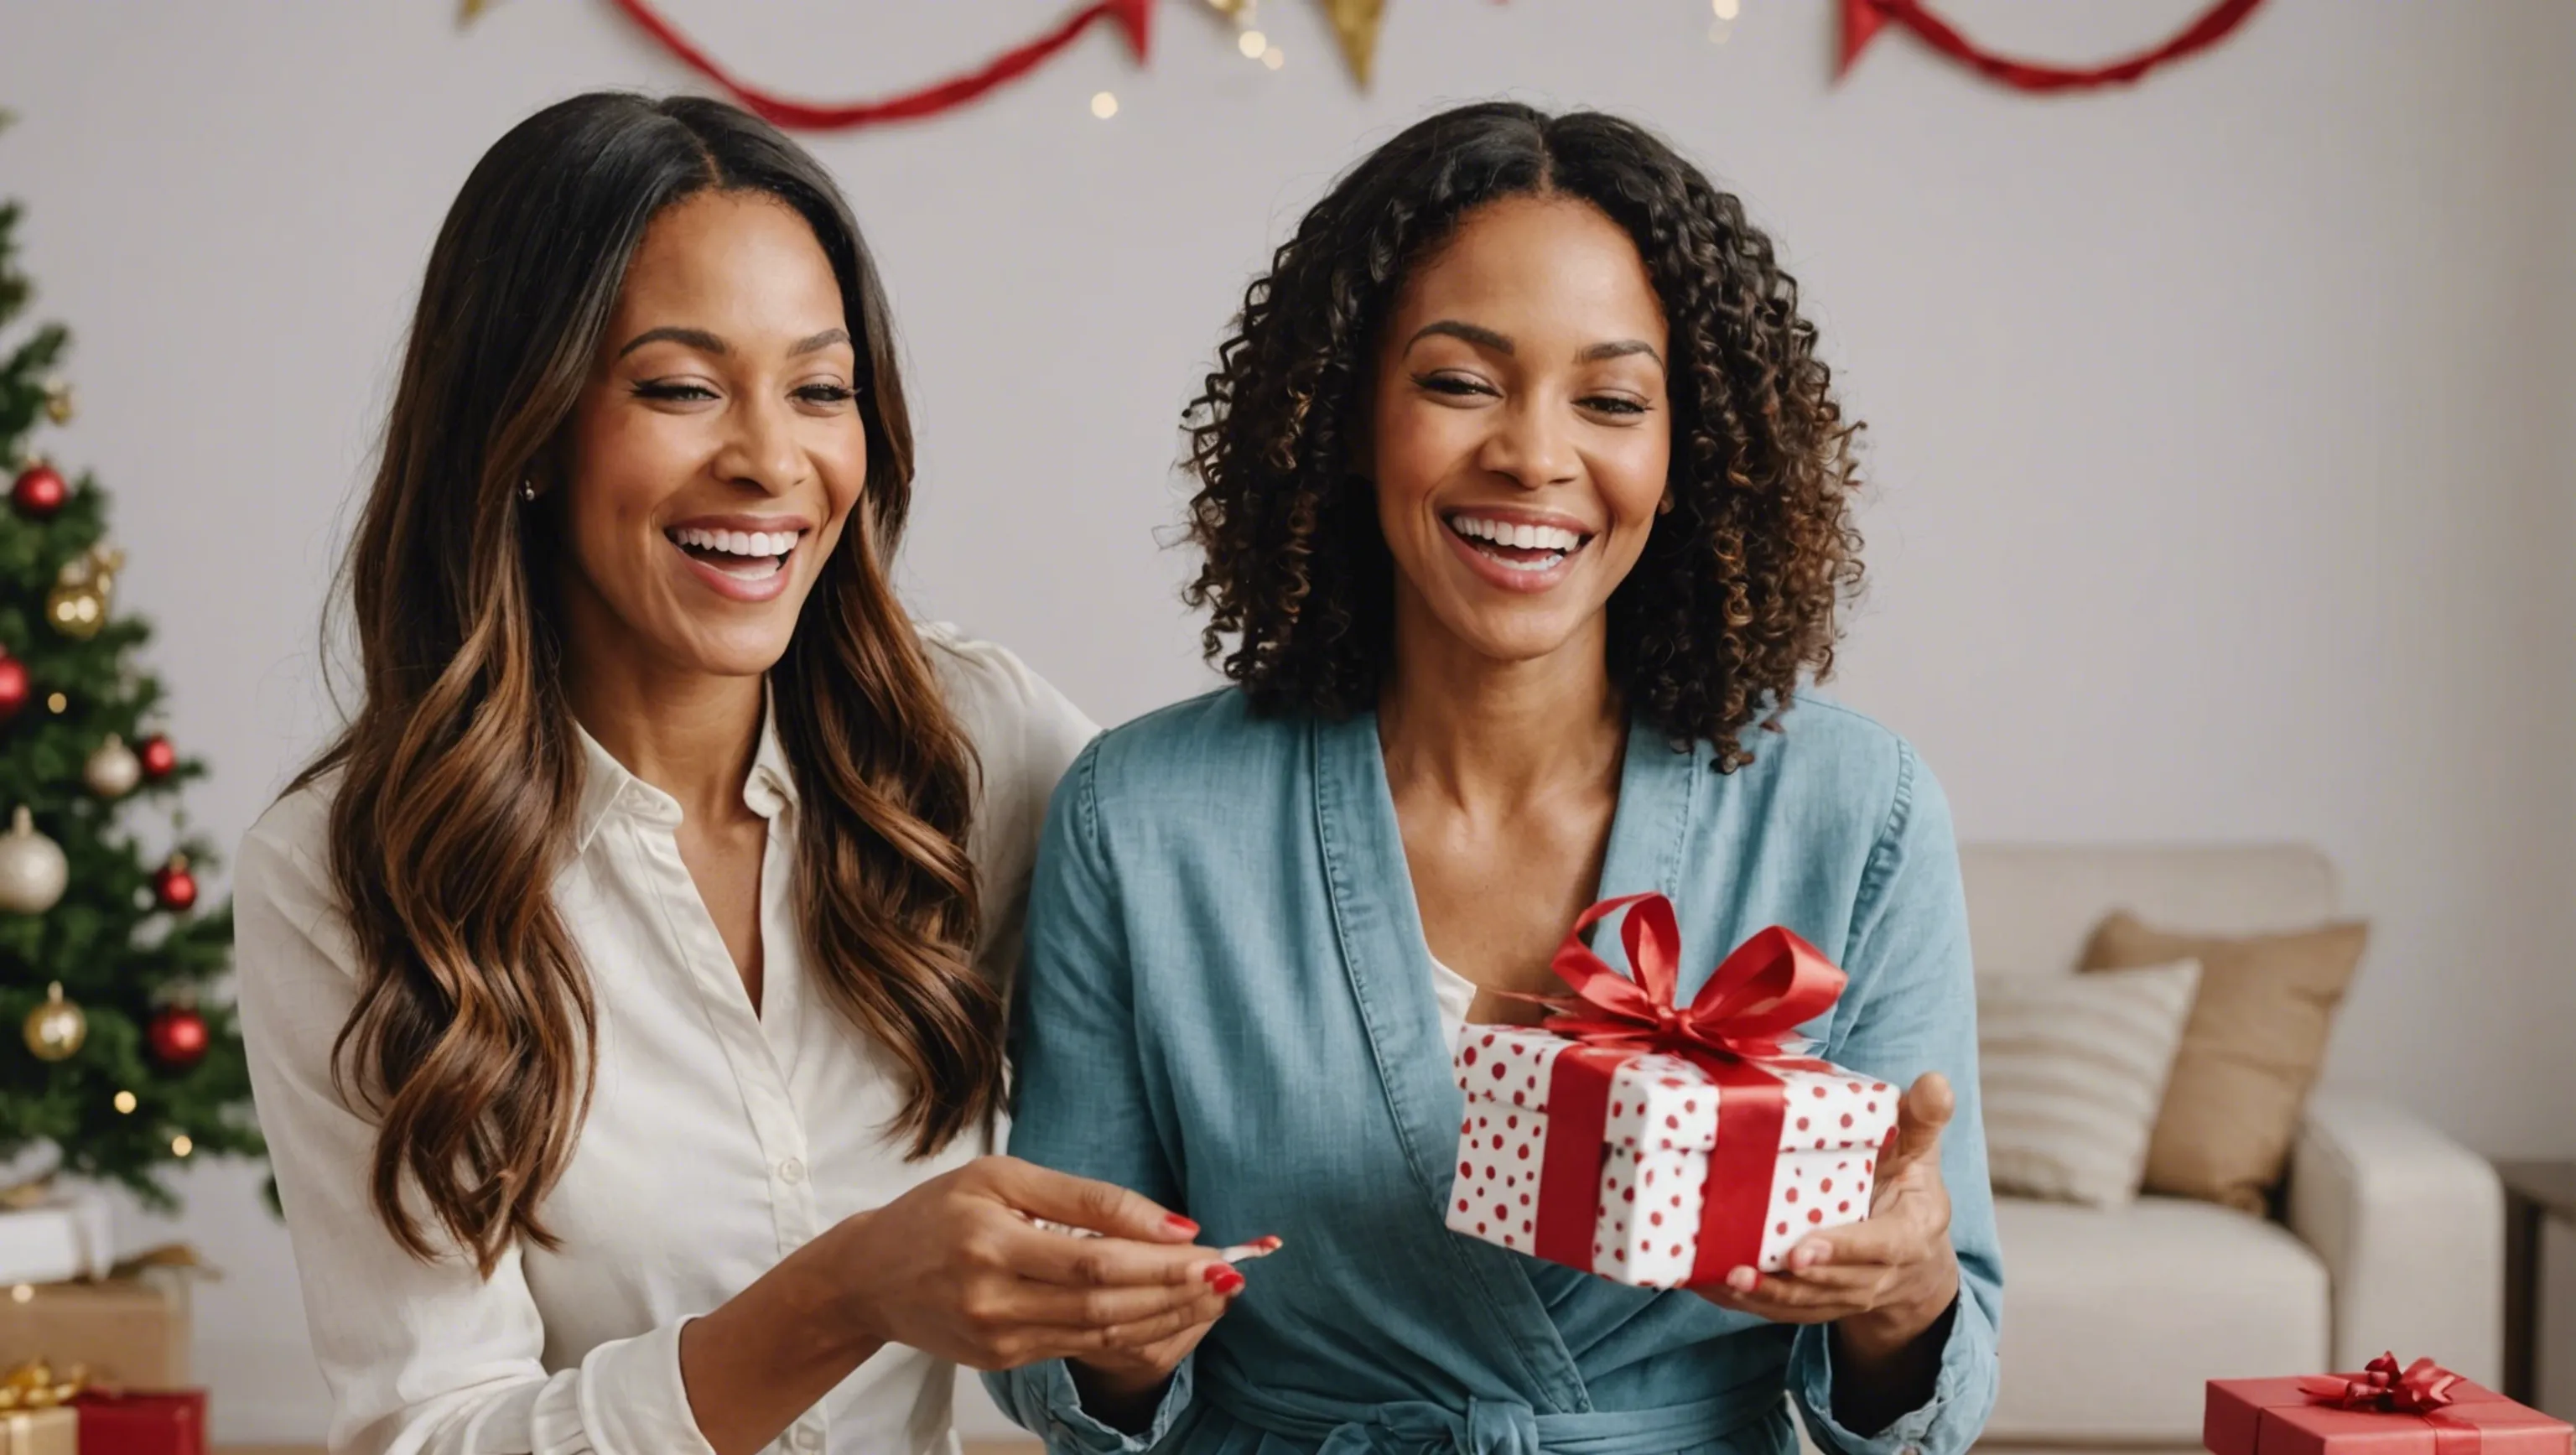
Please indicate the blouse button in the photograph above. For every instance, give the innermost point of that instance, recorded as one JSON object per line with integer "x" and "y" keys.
{"x": 791, "y": 1172}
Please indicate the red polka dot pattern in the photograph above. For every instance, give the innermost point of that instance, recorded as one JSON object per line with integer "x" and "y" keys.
{"x": 1663, "y": 1119}
{"x": 1659, "y": 1193}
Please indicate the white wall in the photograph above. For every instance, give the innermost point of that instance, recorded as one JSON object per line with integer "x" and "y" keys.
{"x": 2221, "y": 426}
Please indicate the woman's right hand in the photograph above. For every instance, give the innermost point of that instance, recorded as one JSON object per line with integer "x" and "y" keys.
{"x": 956, "y": 1268}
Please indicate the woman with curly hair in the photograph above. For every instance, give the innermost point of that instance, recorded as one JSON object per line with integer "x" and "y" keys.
{"x": 1525, "y": 502}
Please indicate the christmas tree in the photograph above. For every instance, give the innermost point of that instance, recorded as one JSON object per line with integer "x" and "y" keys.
{"x": 127, "y": 1066}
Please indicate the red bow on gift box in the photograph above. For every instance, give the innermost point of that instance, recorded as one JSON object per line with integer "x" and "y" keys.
{"x": 1772, "y": 984}
{"x": 2421, "y": 1409}
{"x": 1733, "y": 1030}
{"x": 2419, "y": 1388}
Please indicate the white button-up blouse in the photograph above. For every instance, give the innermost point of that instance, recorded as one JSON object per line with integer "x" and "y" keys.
{"x": 719, "y": 1138}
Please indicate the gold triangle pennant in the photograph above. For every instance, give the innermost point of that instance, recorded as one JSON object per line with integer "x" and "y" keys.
{"x": 1355, "y": 24}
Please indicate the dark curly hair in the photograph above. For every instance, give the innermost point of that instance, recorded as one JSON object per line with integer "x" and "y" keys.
{"x": 1737, "y": 592}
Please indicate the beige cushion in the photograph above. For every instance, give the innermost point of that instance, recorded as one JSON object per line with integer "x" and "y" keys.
{"x": 2250, "y": 1054}
{"x": 2071, "y": 1070}
{"x": 2114, "y": 1320}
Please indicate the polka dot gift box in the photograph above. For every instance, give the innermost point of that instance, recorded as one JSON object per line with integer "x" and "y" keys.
{"x": 1662, "y": 1145}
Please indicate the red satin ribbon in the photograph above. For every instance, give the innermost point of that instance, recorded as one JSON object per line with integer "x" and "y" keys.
{"x": 1733, "y": 1030}
{"x": 2421, "y": 1389}
{"x": 1863, "y": 18}
{"x": 1131, "y": 17}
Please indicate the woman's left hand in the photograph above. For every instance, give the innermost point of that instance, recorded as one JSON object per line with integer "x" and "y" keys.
{"x": 1882, "y": 1282}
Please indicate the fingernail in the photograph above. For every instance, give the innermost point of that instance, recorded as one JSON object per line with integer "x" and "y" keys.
{"x": 1181, "y": 1225}
{"x": 1224, "y": 1279}
{"x": 1742, "y": 1280}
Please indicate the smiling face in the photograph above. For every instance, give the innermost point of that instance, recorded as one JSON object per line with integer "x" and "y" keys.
{"x": 1520, "y": 430}
{"x": 716, "y": 452}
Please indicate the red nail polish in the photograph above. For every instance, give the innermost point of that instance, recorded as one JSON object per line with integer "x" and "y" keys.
{"x": 1224, "y": 1279}
{"x": 1180, "y": 1224}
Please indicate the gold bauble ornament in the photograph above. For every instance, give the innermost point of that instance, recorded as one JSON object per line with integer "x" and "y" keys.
{"x": 113, "y": 770}
{"x": 33, "y": 871}
{"x": 58, "y": 400}
{"x": 83, "y": 589}
{"x": 56, "y": 1029}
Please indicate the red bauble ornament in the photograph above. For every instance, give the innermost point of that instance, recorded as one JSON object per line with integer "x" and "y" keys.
{"x": 13, "y": 687}
{"x": 174, "y": 886}
{"x": 40, "y": 491}
{"x": 178, "y": 1036}
{"x": 159, "y": 758}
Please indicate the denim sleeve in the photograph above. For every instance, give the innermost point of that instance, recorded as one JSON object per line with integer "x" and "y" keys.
{"x": 1080, "y": 1101}
{"x": 1913, "y": 1009}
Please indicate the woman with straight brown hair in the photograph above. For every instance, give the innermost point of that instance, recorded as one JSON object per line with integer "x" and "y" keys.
{"x": 622, "y": 984}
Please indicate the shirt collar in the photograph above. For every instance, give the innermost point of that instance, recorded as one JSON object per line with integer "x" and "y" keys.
{"x": 607, "y": 788}
{"x": 771, "y": 788}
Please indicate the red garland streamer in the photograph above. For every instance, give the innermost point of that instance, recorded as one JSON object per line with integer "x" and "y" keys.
{"x": 1131, "y": 17}
{"x": 1863, "y": 18}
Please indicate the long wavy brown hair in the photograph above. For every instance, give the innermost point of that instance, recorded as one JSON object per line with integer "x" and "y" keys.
{"x": 1737, "y": 593}
{"x": 459, "y": 773}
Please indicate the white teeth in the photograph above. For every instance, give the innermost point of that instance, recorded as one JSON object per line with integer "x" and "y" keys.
{"x": 1519, "y": 537}
{"x": 738, "y": 542}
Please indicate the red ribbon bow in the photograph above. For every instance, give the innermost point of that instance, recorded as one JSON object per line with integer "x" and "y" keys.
{"x": 1732, "y": 1030}
{"x": 1772, "y": 984}
{"x": 2382, "y": 1387}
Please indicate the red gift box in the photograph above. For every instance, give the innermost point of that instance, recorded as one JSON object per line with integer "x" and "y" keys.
{"x": 2422, "y": 1409}
{"x": 168, "y": 1423}
{"x": 1659, "y": 1143}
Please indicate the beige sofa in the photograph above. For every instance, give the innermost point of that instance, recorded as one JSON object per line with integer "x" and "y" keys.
{"x": 2392, "y": 1239}
{"x": 2392, "y": 1234}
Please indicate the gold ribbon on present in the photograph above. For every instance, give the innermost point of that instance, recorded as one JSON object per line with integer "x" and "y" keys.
{"x": 168, "y": 1255}
{"x": 35, "y": 1410}
{"x": 38, "y": 1386}
{"x": 27, "y": 1194}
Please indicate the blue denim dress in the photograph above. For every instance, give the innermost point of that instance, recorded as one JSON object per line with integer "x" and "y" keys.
{"x": 1226, "y": 1005}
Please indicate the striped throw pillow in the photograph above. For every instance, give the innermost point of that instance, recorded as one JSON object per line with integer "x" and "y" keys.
{"x": 2072, "y": 1069}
